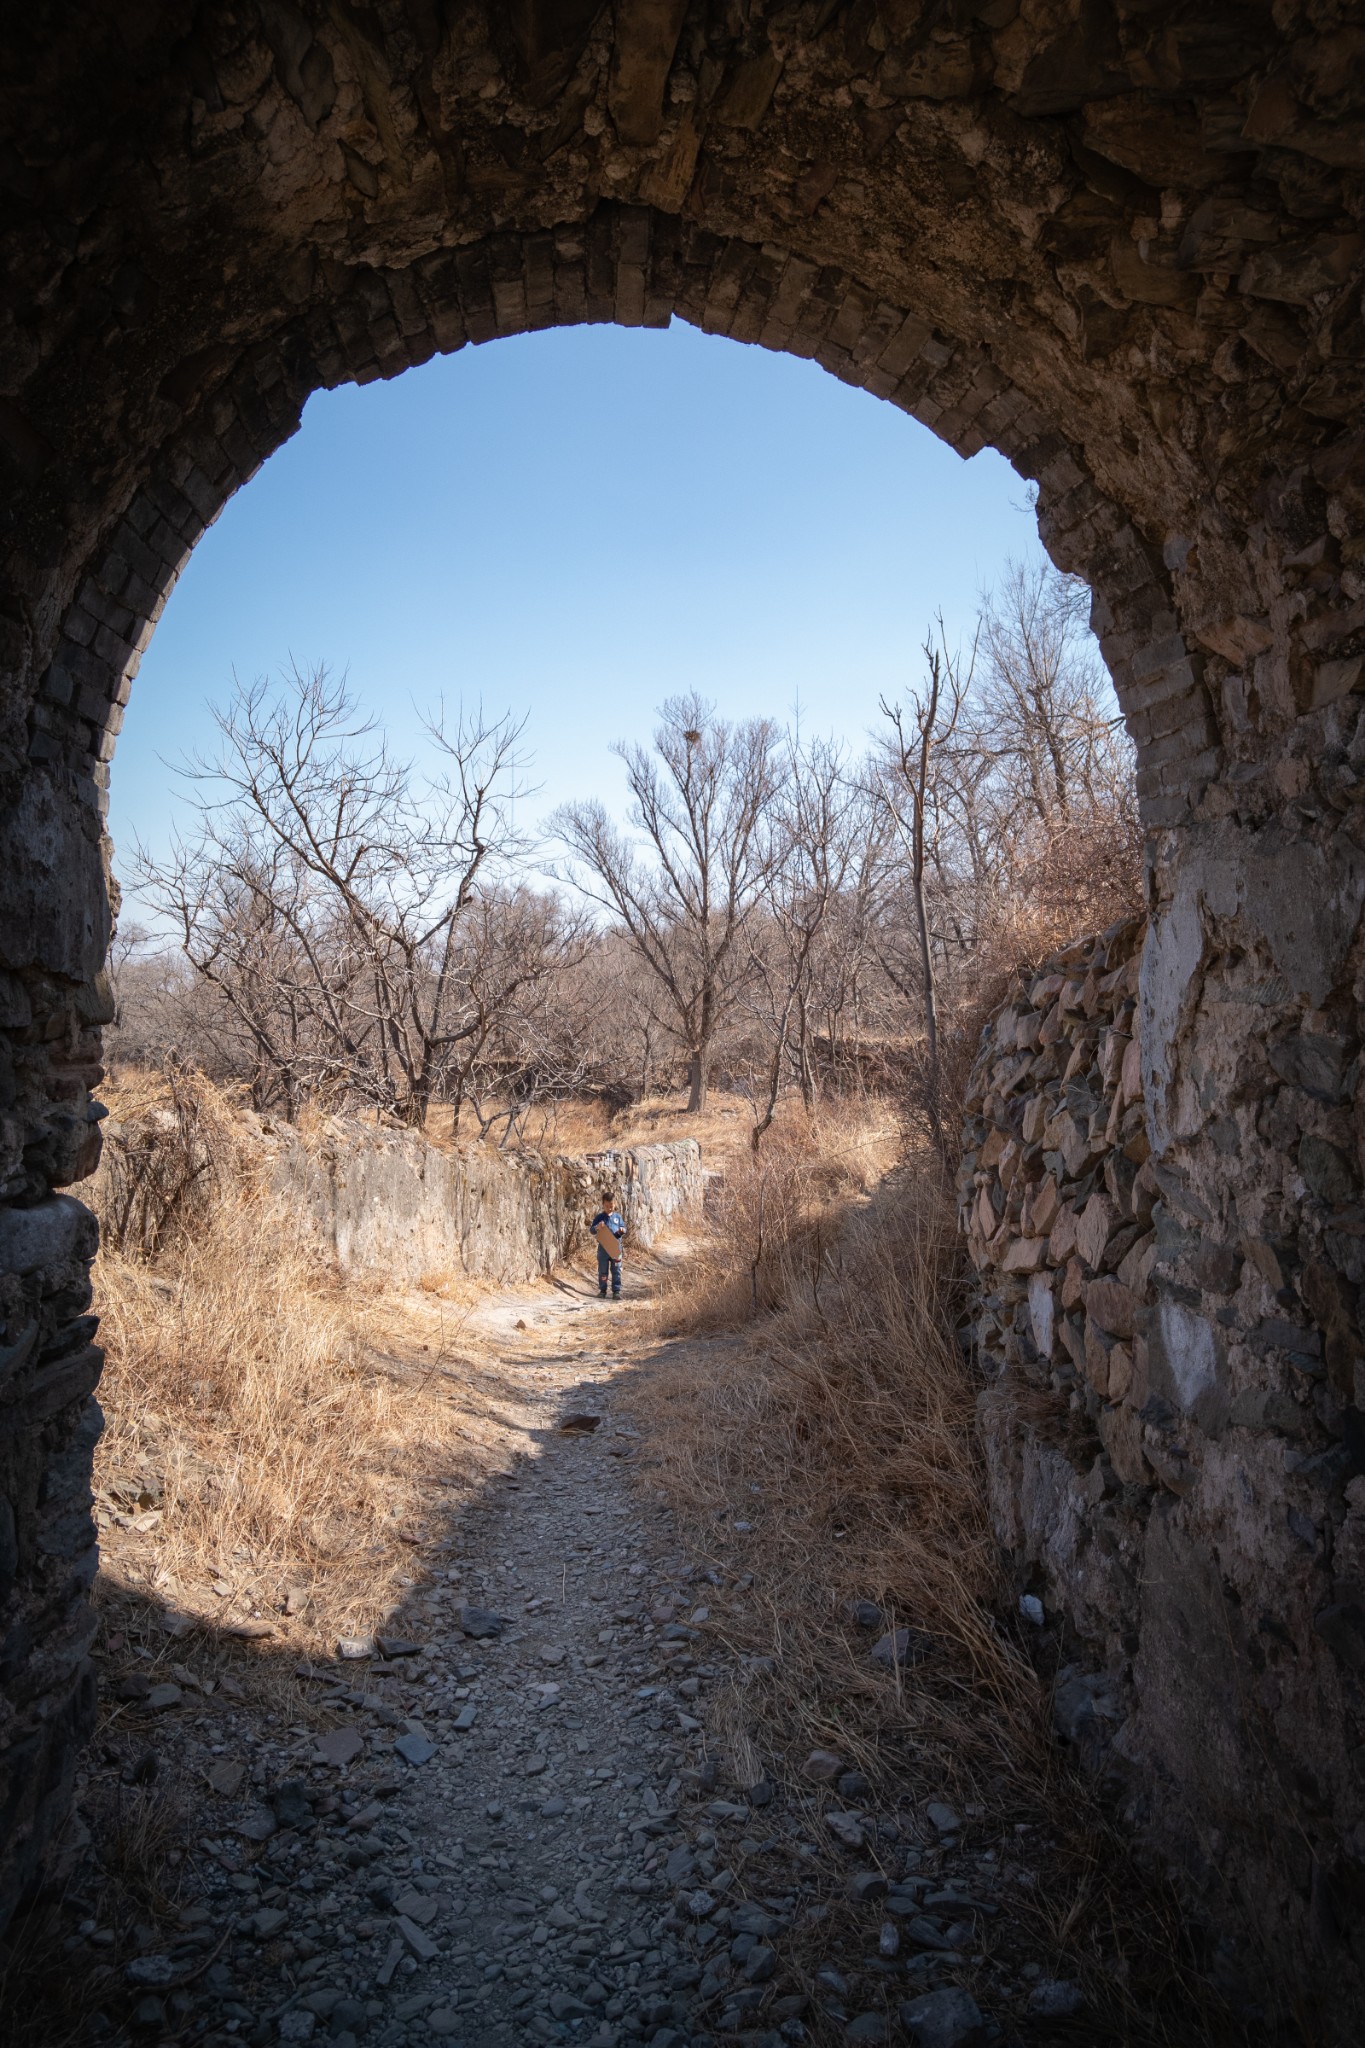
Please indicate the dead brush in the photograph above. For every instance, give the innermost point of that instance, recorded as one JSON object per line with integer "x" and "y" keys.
{"x": 777, "y": 1214}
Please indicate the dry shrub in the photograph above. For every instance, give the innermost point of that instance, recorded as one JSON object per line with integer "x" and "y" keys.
{"x": 170, "y": 1144}
{"x": 775, "y": 1216}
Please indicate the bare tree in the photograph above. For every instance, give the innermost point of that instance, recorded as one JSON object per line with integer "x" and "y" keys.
{"x": 817, "y": 827}
{"x": 914, "y": 794}
{"x": 1040, "y": 718}
{"x": 703, "y": 802}
{"x": 349, "y": 914}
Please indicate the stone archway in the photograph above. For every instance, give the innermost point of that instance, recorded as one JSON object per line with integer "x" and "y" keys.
{"x": 1121, "y": 244}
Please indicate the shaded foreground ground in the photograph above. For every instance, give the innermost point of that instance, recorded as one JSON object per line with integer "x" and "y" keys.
{"x": 568, "y": 1829}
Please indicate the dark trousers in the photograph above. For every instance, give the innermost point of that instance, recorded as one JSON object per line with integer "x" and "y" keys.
{"x": 606, "y": 1264}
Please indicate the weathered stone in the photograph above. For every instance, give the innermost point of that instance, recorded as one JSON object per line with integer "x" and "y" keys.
{"x": 1110, "y": 1304}
{"x": 1093, "y": 1230}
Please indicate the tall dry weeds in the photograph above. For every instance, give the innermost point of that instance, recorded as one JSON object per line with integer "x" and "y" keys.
{"x": 778, "y": 1213}
{"x": 845, "y": 1427}
{"x": 268, "y": 1430}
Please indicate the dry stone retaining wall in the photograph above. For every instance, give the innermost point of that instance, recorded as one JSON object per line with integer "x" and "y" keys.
{"x": 1172, "y": 1427}
{"x": 386, "y": 1201}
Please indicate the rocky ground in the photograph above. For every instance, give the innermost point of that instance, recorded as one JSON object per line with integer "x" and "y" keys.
{"x": 533, "y": 1815}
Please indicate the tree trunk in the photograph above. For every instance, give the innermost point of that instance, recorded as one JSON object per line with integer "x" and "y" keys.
{"x": 696, "y": 1082}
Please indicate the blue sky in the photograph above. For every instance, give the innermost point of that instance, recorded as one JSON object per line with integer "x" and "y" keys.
{"x": 575, "y": 525}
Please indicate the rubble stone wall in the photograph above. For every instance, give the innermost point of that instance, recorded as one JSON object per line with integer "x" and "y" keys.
{"x": 1171, "y": 1420}
{"x": 389, "y": 1202}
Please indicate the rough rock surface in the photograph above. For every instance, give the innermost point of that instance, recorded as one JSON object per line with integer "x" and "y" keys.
{"x": 1177, "y": 1471}
{"x": 388, "y": 1201}
{"x": 1121, "y": 244}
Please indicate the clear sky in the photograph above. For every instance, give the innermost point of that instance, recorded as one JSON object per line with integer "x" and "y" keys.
{"x": 576, "y": 525}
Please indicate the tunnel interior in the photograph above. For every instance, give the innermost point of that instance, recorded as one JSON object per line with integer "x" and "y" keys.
{"x": 1120, "y": 244}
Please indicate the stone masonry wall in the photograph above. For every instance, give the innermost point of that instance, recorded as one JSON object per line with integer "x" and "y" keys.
{"x": 387, "y": 1201}
{"x": 1170, "y": 1424}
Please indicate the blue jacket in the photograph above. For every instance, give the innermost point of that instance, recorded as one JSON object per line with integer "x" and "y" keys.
{"x": 613, "y": 1219}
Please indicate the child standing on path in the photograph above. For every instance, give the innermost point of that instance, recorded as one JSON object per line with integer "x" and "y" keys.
{"x": 607, "y": 1264}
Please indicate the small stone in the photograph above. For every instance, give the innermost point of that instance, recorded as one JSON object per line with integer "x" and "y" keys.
{"x": 888, "y": 1939}
{"x": 553, "y": 1653}
{"x": 579, "y": 1424}
{"x": 297, "y": 2025}
{"x": 416, "y": 1906}
{"x": 397, "y": 1646}
{"x": 352, "y": 1648}
{"x": 225, "y": 1777}
{"x": 422, "y": 1946}
{"x": 535, "y": 1764}
{"x": 822, "y": 1765}
{"x": 480, "y": 1622}
{"x": 1054, "y": 1999}
{"x": 341, "y": 1746}
{"x": 161, "y": 1697}
{"x": 948, "y": 2018}
{"x": 292, "y": 1804}
{"x": 902, "y": 1648}
{"x": 942, "y": 1817}
{"x": 1031, "y": 1607}
{"x": 868, "y": 2026}
{"x": 853, "y": 1785}
{"x": 552, "y": 1808}
{"x": 415, "y": 1749}
{"x": 443, "y": 2019}
{"x": 258, "y": 1825}
{"x": 925, "y": 1934}
{"x": 465, "y": 1719}
{"x": 268, "y": 1922}
{"x": 324, "y": 2002}
{"x": 847, "y": 1828}
{"x": 865, "y": 1885}
{"x": 150, "y": 1973}
{"x": 295, "y": 1600}
{"x": 701, "y": 1905}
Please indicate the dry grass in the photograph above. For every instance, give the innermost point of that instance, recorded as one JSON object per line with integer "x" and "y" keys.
{"x": 776, "y": 1216}
{"x": 845, "y": 1430}
{"x": 269, "y": 1432}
